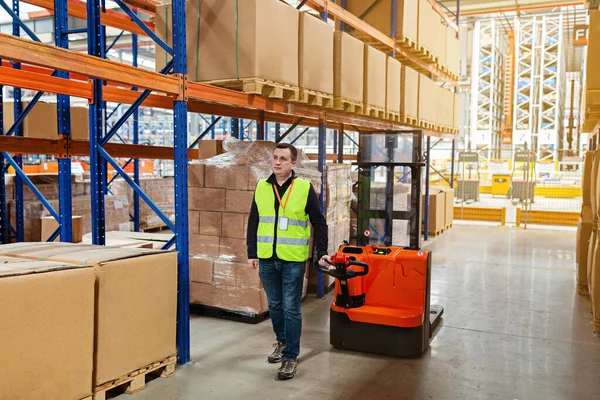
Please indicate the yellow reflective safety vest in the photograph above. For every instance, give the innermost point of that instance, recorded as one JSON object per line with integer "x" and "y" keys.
{"x": 292, "y": 243}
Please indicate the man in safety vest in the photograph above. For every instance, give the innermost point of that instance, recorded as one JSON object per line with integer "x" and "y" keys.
{"x": 278, "y": 238}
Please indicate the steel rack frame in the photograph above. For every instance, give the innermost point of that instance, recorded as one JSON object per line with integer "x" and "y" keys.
{"x": 51, "y": 69}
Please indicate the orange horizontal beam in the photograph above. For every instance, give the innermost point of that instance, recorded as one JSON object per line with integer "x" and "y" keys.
{"x": 44, "y": 83}
{"x": 26, "y": 51}
{"x": 339, "y": 13}
{"x": 145, "y": 5}
{"x": 40, "y": 14}
{"x": 110, "y": 18}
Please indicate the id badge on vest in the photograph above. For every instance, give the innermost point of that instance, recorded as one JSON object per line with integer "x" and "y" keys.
{"x": 283, "y": 223}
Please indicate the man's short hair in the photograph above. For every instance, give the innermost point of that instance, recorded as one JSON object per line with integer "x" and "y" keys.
{"x": 292, "y": 149}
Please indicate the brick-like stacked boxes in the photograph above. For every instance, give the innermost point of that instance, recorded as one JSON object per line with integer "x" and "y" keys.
{"x": 221, "y": 191}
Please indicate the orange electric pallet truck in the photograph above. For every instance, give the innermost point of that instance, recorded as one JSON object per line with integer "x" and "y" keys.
{"x": 382, "y": 291}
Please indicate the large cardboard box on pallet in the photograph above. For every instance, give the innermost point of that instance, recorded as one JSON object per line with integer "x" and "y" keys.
{"x": 392, "y": 92}
{"x": 136, "y": 301}
{"x": 448, "y": 204}
{"x": 445, "y": 107}
{"x": 314, "y": 56}
{"x": 379, "y": 16}
{"x": 437, "y": 210}
{"x": 348, "y": 78}
{"x": 427, "y": 99}
{"x": 587, "y": 177}
{"x": 452, "y": 51}
{"x": 41, "y": 122}
{"x": 244, "y": 39}
{"x": 409, "y": 106}
{"x": 375, "y": 83}
{"x": 47, "y": 334}
{"x": 592, "y": 84}
{"x": 427, "y": 27}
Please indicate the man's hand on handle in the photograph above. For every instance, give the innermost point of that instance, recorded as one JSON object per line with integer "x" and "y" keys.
{"x": 323, "y": 262}
{"x": 253, "y": 263}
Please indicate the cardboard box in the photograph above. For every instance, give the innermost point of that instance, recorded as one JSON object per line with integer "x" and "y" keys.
{"x": 233, "y": 249}
{"x": 193, "y": 221}
{"x": 587, "y": 177}
{"x": 437, "y": 209}
{"x": 210, "y": 223}
{"x": 205, "y": 199}
{"x": 226, "y": 176}
{"x": 238, "y": 201}
{"x": 394, "y": 77}
{"x": 584, "y": 234}
{"x": 380, "y": 13}
{"x": 409, "y": 106}
{"x": 234, "y": 225}
{"x": 202, "y": 293}
{"x": 204, "y": 245}
{"x": 456, "y": 114}
{"x": 42, "y": 123}
{"x": 49, "y": 225}
{"x": 247, "y": 277}
{"x": 314, "y": 56}
{"x": 248, "y": 301}
{"x": 348, "y": 77}
{"x": 427, "y": 28}
{"x": 201, "y": 270}
{"x": 209, "y": 148}
{"x": 195, "y": 175}
{"x": 427, "y": 99}
{"x": 225, "y": 273}
{"x": 375, "y": 85}
{"x": 448, "y": 203}
{"x": 47, "y": 335}
{"x": 452, "y": 51}
{"x": 133, "y": 329}
{"x": 265, "y": 37}
{"x": 445, "y": 107}
{"x": 587, "y": 214}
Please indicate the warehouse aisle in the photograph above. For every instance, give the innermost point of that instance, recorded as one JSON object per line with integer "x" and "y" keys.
{"x": 513, "y": 329}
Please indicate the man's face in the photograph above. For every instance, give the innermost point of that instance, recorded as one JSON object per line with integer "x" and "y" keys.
{"x": 282, "y": 162}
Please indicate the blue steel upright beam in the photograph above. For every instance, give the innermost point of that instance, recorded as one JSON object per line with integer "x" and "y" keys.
{"x": 394, "y": 8}
{"x": 340, "y": 149}
{"x": 323, "y": 194}
{"x": 65, "y": 201}
{"x": 212, "y": 129}
{"x": 17, "y": 107}
{"x": 277, "y": 131}
{"x": 235, "y": 128}
{"x": 136, "y": 140}
{"x": 181, "y": 188}
{"x": 260, "y": 127}
{"x": 343, "y": 24}
{"x": 95, "y": 48}
{"x": 4, "y": 237}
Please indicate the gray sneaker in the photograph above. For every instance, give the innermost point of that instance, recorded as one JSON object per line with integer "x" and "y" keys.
{"x": 275, "y": 356}
{"x": 287, "y": 370}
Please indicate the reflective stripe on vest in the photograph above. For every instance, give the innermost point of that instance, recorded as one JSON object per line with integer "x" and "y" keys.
{"x": 292, "y": 243}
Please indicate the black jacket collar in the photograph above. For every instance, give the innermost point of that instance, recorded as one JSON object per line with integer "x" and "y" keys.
{"x": 273, "y": 180}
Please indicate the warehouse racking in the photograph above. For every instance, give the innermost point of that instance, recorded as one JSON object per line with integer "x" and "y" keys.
{"x": 55, "y": 69}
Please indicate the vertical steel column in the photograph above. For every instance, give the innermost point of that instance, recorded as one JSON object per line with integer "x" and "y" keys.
{"x": 65, "y": 202}
{"x": 241, "y": 130}
{"x": 394, "y": 13}
{"x": 212, "y": 129}
{"x": 223, "y": 127}
{"x": 136, "y": 140}
{"x": 260, "y": 127}
{"x": 94, "y": 42}
{"x": 20, "y": 220}
{"x": 277, "y": 131}
{"x": 426, "y": 211}
{"x": 323, "y": 194}
{"x": 235, "y": 128}
{"x": 181, "y": 188}
{"x": 4, "y": 222}
{"x": 335, "y": 140}
{"x": 266, "y": 130}
{"x": 103, "y": 103}
{"x": 452, "y": 165}
{"x": 340, "y": 149}
{"x": 343, "y": 24}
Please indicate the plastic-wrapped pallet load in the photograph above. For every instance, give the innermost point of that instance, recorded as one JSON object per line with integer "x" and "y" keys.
{"x": 47, "y": 335}
{"x": 221, "y": 191}
{"x": 233, "y": 40}
{"x": 585, "y": 227}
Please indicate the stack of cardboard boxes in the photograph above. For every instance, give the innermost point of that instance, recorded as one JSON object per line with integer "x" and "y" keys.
{"x": 221, "y": 191}
{"x": 93, "y": 321}
{"x": 584, "y": 226}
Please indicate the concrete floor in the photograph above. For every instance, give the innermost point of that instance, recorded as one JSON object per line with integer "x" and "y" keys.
{"x": 513, "y": 329}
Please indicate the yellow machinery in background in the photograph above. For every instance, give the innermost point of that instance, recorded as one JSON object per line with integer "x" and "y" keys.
{"x": 501, "y": 185}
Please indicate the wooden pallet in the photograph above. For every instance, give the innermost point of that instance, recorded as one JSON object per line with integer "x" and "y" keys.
{"x": 374, "y": 111}
{"x": 315, "y": 98}
{"x": 350, "y": 106}
{"x": 447, "y": 227}
{"x": 136, "y": 380}
{"x": 408, "y": 120}
{"x": 582, "y": 288}
{"x": 261, "y": 87}
{"x": 437, "y": 233}
{"x": 231, "y": 315}
{"x": 426, "y": 124}
{"x": 154, "y": 228}
{"x": 393, "y": 116}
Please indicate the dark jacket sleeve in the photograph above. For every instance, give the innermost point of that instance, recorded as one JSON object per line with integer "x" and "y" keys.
{"x": 252, "y": 231}
{"x": 313, "y": 209}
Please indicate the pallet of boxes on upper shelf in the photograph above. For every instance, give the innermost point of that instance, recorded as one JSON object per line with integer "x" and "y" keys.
{"x": 221, "y": 191}
{"x": 584, "y": 226}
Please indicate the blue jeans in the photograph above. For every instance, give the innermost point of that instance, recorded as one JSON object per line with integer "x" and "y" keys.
{"x": 282, "y": 281}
